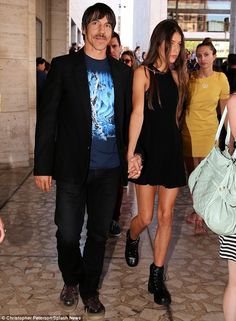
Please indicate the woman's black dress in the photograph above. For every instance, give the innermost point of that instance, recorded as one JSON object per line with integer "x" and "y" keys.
{"x": 160, "y": 139}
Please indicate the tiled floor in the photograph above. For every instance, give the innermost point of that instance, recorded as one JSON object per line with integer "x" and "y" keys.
{"x": 30, "y": 281}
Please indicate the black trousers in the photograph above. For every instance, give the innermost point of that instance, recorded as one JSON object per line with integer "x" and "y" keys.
{"x": 99, "y": 195}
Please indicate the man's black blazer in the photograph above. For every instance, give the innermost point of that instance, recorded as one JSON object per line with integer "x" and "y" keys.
{"x": 64, "y": 123}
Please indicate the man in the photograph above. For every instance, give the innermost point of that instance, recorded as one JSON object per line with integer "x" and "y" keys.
{"x": 40, "y": 77}
{"x": 115, "y": 47}
{"x": 80, "y": 142}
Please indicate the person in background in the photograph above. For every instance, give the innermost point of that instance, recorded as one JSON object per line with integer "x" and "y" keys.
{"x": 114, "y": 47}
{"x": 207, "y": 90}
{"x": 73, "y": 48}
{"x": 47, "y": 67}
{"x": 228, "y": 243}
{"x": 155, "y": 137}
{"x": 144, "y": 54}
{"x": 2, "y": 231}
{"x": 128, "y": 58}
{"x": 138, "y": 55}
{"x": 40, "y": 77}
{"x": 81, "y": 142}
{"x": 231, "y": 72}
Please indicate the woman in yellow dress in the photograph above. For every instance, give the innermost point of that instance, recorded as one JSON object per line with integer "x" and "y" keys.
{"x": 208, "y": 94}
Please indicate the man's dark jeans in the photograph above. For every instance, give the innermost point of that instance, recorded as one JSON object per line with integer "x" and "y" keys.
{"x": 99, "y": 195}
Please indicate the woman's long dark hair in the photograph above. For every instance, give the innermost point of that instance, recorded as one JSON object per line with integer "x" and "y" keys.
{"x": 163, "y": 32}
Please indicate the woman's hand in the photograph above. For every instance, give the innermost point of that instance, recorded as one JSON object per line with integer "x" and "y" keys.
{"x": 134, "y": 166}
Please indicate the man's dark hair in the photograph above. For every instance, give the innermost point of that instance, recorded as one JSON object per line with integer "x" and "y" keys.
{"x": 232, "y": 59}
{"x": 40, "y": 61}
{"x": 115, "y": 35}
{"x": 98, "y": 11}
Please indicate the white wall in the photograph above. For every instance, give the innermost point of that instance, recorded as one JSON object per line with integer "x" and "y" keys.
{"x": 126, "y": 30}
{"x": 147, "y": 14}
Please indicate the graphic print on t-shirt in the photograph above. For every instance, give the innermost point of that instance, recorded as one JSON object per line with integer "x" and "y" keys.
{"x": 102, "y": 104}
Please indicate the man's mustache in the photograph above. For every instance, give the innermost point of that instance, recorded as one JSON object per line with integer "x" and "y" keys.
{"x": 101, "y": 36}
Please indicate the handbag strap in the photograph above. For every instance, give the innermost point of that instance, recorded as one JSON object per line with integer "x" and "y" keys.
{"x": 222, "y": 120}
{"x": 227, "y": 138}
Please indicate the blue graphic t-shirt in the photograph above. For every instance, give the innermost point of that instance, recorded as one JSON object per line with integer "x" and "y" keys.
{"x": 104, "y": 152}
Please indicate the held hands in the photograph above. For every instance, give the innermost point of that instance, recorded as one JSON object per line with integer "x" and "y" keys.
{"x": 44, "y": 183}
{"x": 134, "y": 166}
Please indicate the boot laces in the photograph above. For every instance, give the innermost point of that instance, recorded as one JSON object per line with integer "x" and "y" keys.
{"x": 133, "y": 247}
{"x": 159, "y": 280}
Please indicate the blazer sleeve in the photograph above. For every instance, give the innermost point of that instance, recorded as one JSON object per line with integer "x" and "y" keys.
{"x": 128, "y": 106}
{"x": 46, "y": 124}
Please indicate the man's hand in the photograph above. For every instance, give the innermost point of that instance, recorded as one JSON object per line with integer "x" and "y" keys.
{"x": 44, "y": 183}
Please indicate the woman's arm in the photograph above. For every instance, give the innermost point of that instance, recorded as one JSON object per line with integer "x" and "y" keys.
{"x": 140, "y": 85}
{"x": 222, "y": 104}
{"x": 231, "y": 105}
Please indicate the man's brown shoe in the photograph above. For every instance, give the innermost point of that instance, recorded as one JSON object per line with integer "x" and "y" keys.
{"x": 69, "y": 297}
{"x": 93, "y": 305}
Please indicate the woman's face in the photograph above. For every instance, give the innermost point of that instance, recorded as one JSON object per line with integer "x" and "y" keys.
{"x": 127, "y": 60}
{"x": 175, "y": 47}
{"x": 205, "y": 57}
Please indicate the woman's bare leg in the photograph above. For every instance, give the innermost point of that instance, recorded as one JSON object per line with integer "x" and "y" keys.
{"x": 191, "y": 163}
{"x": 229, "y": 303}
{"x": 156, "y": 283}
{"x": 166, "y": 200}
{"x": 145, "y": 199}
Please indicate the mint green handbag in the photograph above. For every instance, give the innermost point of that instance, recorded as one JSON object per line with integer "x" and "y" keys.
{"x": 213, "y": 187}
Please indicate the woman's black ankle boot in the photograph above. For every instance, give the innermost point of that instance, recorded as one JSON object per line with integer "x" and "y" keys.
{"x": 131, "y": 250}
{"x": 156, "y": 285}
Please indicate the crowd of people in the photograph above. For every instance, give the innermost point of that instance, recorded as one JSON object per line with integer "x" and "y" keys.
{"x": 103, "y": 119}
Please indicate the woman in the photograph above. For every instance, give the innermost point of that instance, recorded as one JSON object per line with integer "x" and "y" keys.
{"x": 128, "y": 58}
{"x": 159, "y": 88}
{"x": 208, "y": 89}
{"x": 137, "y": 55}
{"x": 228, "y": 243}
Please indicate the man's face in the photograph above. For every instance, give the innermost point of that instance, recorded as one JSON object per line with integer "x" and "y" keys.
{"x": 115, "y": 48}
{"x": 41, "y": 67}
{"x": 97, "y": 35}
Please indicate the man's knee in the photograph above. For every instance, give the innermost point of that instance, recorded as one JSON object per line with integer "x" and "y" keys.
{"x": 67, "y": 238}
{"x": 97, "y": 237}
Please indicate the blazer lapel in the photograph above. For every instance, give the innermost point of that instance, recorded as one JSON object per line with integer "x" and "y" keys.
{"x": 81, "y": 80}
{"x": 117, "y": 87}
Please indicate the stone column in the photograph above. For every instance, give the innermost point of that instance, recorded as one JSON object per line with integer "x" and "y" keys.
{"x": 232, "y": 40}
{"x": 59, "y": 26}
{"x": 17, "y": 81}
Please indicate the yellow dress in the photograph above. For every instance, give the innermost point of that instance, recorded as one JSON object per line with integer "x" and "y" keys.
{"x": 200, "y": 123}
